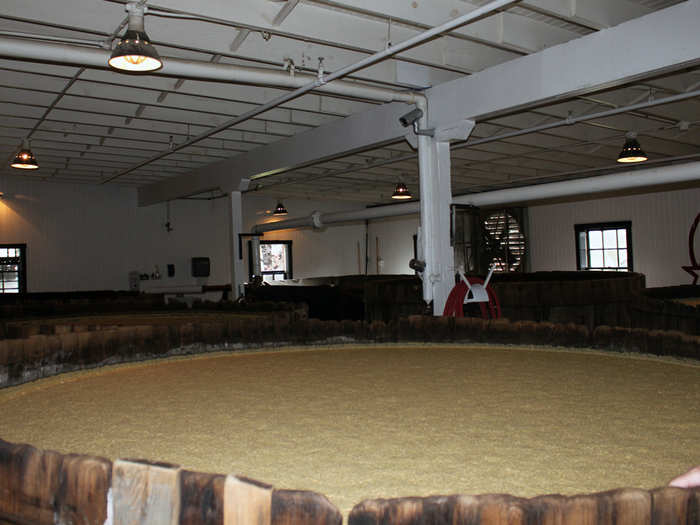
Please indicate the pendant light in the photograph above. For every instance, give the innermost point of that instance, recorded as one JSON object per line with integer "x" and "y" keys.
{"x": 280, "y": 209}
{"x": 401, "y": 192}
{"x": 631, "y": 151}
{"x": 134, "y": 52}
{"x": 25, "y": 159}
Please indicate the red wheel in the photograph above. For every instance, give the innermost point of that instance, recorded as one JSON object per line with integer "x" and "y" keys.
{"x": 454, "y": 306}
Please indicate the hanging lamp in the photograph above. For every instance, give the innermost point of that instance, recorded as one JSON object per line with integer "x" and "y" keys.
{"x": 280, "y": 209}
{"x": 25, "y": 158}
{"x": 631, "y": 151}
{"x": 134, "y": 52}
{"x": 401, "y": 192}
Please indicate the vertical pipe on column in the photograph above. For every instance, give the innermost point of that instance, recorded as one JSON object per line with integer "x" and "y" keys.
{"x": 376, "y": 253}
{"x": 236, "y": 227}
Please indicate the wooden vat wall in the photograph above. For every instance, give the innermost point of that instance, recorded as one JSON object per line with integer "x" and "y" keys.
{"x": 662, "y": 506}
{"x": 44, "y": 488}
{"x": 87, "y": 346}
{"x": 47, "y": 487}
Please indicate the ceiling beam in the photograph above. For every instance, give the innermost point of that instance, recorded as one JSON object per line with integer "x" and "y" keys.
{"x": 342, "y": 137}
{"x": 667, "y": 40}
{"x": 556, "y": 73}
{"x": 285, "y": 12}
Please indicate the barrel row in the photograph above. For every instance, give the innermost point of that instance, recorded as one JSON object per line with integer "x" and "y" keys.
{"x": 45, "y": 487}
{"x": 662, "y": 506}
{"x": 565, "y": 291}
{"x": 23, "y": 360}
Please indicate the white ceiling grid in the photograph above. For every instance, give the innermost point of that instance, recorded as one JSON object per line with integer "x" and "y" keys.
{"x": 88, "y": 125}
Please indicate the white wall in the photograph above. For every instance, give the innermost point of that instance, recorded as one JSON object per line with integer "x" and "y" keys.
{"x": 395, "y": 235}
{"x": 334, "y": 249}
{"x": 660, "y": 226}
{"x": 330, "y": 251}
{"x": 82, "y": 237}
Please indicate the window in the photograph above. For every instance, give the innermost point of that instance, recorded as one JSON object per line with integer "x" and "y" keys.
{"x": 275, "y": 260}
{"x": 13, "y": 268}
{"x": 604, "y": 246}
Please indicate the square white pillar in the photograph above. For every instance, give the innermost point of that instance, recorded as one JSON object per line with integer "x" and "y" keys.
{"x": 435, "y": 199}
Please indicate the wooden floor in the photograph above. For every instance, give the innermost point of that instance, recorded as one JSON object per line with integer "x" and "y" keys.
{"x": 356, "y": 423}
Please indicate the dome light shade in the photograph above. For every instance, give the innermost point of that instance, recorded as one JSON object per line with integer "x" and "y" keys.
{"x": 25, "y": 160}
{"x": 401, "y": 192}
{"x": 280, "y": 209}
{"x": 632, "y": 152}
{"x": 135, "y": 54}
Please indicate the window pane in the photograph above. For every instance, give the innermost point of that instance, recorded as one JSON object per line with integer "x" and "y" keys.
{"x": 610, "y": 257}
{"x": 596, "y": 258}
{"x": 623, "y": 258}
{"x": 3, "y": 252}
{"x": 622, "y": 238}
{"x": 273, "y": 257}
{"x": 268, "y": 277}
{"x": 595, "y": 239}
{"x": 610, "y": 239}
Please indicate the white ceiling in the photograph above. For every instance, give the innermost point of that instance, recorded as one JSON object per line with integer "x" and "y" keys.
{"x": 90, "y": 125}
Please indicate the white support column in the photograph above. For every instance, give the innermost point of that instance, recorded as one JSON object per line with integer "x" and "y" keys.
{"x": 238, "y": 276}
{"x": 435, "y": 199}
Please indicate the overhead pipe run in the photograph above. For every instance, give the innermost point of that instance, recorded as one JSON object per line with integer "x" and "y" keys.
{"x": 639, "y": 178}
{"x": 25, "y": 49}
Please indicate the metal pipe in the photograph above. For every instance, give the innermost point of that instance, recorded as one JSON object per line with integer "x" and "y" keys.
{"x": 323, "y": 219}
{"x": 689, "y": 172}
{"x": 680, "y": 173}
{"x": 19, "y": 48}
{"x": 49, "y": 38}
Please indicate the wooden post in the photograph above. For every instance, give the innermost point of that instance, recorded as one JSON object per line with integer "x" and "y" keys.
{"x": 144, "y": 493}
{"x": 82, "y": 494}
{"x": 201, "y": 498}
{"x": 29, "y": 478}
{"x": 247, "y": 502}
{"x": 301, "y": 507}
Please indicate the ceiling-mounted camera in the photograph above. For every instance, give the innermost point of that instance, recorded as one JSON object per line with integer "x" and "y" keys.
{"x": 412, "y": 118}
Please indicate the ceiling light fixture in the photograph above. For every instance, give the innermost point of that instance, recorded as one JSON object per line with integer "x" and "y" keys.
{"x": 280, "y": 209}
{"x": 134, "y": 52}
{"x": 25, "y": 159}
{"x": 632, "y": 151}
{"x": 401, "y": 192}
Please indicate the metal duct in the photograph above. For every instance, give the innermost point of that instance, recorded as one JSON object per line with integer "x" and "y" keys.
{"x": 649, "y": 177}
{"x": 24, "y": 49}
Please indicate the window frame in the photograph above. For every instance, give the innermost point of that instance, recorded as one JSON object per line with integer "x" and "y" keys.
{"x": 287, "y": 275}
{"x": 21, "y": 271}
{"x": 603, "y": 226}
